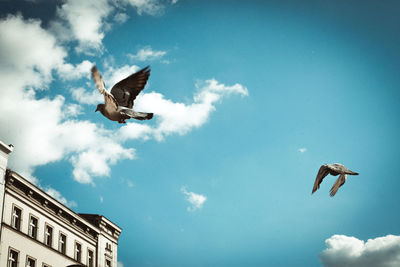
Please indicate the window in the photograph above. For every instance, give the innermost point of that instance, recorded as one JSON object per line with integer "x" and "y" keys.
{"x": 78, "y": 252}
{"x": 30, "y": 262}
{"x": 62, "y": 243}
{"x": 90, "y": 258}
{"x": 12, "y": 258}
{"x": 46, "y": 265}
{"x": 33, "y": 225}
{"x": 16, "y": 218}
{"x": 108, "y": 263}
{"x": 48, "y": 235}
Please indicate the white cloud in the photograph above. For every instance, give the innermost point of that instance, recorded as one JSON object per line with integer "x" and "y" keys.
{"x": 302, "y": 150}
{"x": 83, "y": 21}
{"x": 81, "y": 95}
{"x": 147, "y": 54}
{"x": 88, "y": 21}
{"x": 151, "y": 7}
{"x": 96, "y": 160}
{"x": 180, "y": 118}
{"x": 120, "y": 264}
{"x": 346, "y": 251}
{"x": 133, "y": 130}
{"x": 128, "y": 182}
{"x": 196, "y": 200}
{"x": 28, "y": 53}
{"x": 41, "y": 128}
{"x": 57, "y": 195}
{"x": 70, "y": 72}
{"x": 121, "y": 18}
{"x": 101, "y": 199}
{"x": 72, "y": 110}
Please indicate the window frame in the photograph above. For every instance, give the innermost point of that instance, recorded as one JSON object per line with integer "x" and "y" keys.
{"x": 105, "y": 262}
{"x": 92, "y": 258}
{"x": 65, "y": 243}
{"x": 30, "y": 258}
{"x": 36, "y": 227}
{"x": 14, "y": 206}
{"x": 75, "y": 251}
{"x": 9, "y": 254}
{"x": 46, "y": 225}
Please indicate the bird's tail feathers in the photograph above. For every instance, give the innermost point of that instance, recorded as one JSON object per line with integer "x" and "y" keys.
{"x": 137, "y": 115}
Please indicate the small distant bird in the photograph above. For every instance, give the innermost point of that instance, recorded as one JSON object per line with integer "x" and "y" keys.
{"x": 118, "y": 104}
{"x": 332, "y": 169}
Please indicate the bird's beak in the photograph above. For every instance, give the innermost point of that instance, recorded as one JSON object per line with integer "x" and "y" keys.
{"x": 96, "y": 109}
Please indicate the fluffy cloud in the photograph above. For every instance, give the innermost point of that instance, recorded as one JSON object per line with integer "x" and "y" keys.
{"x": 302, "y": 150}
{"x": 102, "y": 152}
{"x": 180, "y": 118}
{"x": 68, "y": 71}
{"x": 121, "y": 17}
{"x": 196, "y": 200}
{"x": 41, "y": 128}
{"x": 345, "y": 251}
{"x": 28, "y": 54}
{"x": 84, "y": 21}
{"x": 81, "y": 95}
{"x": 72, "y": 110}
{"x": 151, "y": 7}
{"x": 57, "y": 195}
{"x": 88, "y": 21}
{"x": 147, "y": 54}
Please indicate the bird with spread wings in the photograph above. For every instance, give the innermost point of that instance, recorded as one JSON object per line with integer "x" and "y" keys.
{"x": 119, "y": 102}
{"x": 332, "y": 169}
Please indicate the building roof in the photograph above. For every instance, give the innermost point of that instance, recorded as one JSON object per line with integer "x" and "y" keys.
{"x": 6, "y": 148}
{"x": 89, "y": 224}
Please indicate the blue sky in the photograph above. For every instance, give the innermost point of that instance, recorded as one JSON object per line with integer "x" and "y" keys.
{"x": 250, "y": 99}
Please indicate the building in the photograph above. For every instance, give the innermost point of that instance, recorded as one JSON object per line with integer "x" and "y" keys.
{"x": 38, "y": 231}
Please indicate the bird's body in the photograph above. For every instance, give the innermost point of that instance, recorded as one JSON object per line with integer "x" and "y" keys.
{"x": 112, "y": 114}
{"x": 332, "y": 169}
{"x": 118, "y": 104}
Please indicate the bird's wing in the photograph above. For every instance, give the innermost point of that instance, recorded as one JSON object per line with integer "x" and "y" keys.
{"x": 98, "y": 80}
{"x": 339, "y": 182}
{"x": 323, "y": 171}
{"x": 126, "y": 90}
{"x": 109, "y": 99}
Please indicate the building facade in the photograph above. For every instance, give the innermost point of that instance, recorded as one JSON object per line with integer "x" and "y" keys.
{"x": 38, "y": 231}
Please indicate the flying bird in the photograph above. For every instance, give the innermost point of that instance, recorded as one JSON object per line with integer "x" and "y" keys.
{"x": 118, "y": 104}
{"x": 332, "y": 169}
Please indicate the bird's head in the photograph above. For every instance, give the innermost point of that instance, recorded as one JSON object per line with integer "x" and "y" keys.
{"x": 99, "y": 107}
